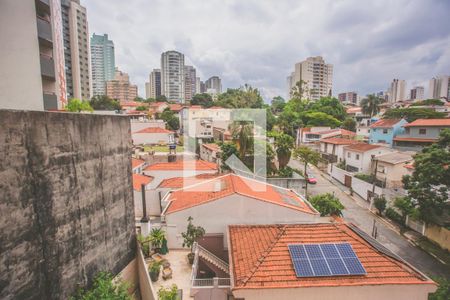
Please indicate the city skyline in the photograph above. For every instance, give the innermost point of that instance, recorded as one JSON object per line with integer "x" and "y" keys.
{"x": 368, "y": 44}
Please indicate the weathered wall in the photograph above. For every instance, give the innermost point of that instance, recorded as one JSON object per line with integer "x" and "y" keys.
{"x": 66, "y": 202}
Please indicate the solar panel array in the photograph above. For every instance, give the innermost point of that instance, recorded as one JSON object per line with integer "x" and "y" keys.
{"x": 314, "y": 260}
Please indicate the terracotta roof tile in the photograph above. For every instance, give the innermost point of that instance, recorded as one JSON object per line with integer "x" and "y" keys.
{"x": 179, "y": 182}
{"x": 233, "y": 184}
{"x": 429, "y": 122}
{"x": 212, "y": 147}
{"x": 139, "y": 179}
{"x": 413, "y": 139}
{"x": 361, "y": 147}
{"x": 136, "y": 162}
{"x": 259, "y": 257}
{"x": 175, "y": 107}
{"x": 198, "y": 165}
{"x": 339, "y": 141}
{"x": 154, "y": 130}
{"x": 385, "y": 123}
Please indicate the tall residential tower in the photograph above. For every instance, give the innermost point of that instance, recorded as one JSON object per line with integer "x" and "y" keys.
{"x": 120, "y": 88}
{"x": 439, "y": 87}
{"x": 213, "y": 85}
{"x": 153, "y": 86}
{"x": 397, "y": 91}
{"x": 172, "y": 76}
{"x": 103, "y": 62}
{"x": 189, "y": 82}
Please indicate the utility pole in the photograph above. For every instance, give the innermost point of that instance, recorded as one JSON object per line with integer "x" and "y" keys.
{"x": 374, "y": 176}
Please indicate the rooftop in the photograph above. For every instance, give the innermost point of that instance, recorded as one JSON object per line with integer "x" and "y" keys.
{"x": 259, "y": 257}
{"x": 361, "y": 147}
{"x": 385, "y": 123}
{"x": 133, "y": 103}
{"x": 395, "y": 157}
{"x": 196, "y": 165}
{"x": 175, "y": 107}
{"x": 414, "y": 139}
{"x": 154, "y": 130}
{"x": 212, "y": 147}
{"x": 227, "y": 185}
{"x": 139, "y": 180}
{"x": 429, "y": 122}
{"x": 336, "y": 131}
{"x": 339, "y": 141}
{"x": 179, "y": 182}
{"x": 136, "y": 162}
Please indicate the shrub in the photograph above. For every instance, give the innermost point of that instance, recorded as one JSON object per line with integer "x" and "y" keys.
{"x": 169, "y": 293}
{"x": 104, "y": 288}
{"x": 285, "y": 172}
{"x": 443, "y": 291}
{"x": 380, "y": 204}
{"x": 393, "y": 215}
{"x": 327, "y": 204}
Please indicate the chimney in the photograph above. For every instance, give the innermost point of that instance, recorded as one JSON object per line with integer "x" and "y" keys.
{"x": 144, "y": 205}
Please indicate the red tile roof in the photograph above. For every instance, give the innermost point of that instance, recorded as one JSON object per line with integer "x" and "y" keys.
{"x": 175, "y": 107}
{"x": 429, "y": 122}
{"x": 385, "y": 123}
{"x": 259, "y": 257}
{"x": 198, "y": 165}
{"x": 139, "y": 179}
{"x": 212, "y": 147}
{"x": 227, "y": 185}
{"x": 154, "y": 130}
{"x": 335, "y": 132}
{"x": 157, "y": 104}
{"x": 351, "y": 110}
{"x": 133, "y": 103}
{"x": 339, "y": 141}
{"x": 411, "y": 139}
{"x": 361, "y": 147}
{"x": 179, "y": 182}
{"x": 136, "y": 162}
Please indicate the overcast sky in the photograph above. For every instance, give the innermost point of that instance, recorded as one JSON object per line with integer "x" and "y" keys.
{"x": 258, "y": 42}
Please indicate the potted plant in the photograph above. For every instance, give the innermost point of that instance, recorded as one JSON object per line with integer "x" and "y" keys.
{"x": 154, "y": 269}
{"x": 169, "y": 293}
{"x": 157, "y": 237}
{"x": 190, "y": 236}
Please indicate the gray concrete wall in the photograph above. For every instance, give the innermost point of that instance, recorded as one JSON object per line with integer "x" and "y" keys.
{"x": 66, "y": 202}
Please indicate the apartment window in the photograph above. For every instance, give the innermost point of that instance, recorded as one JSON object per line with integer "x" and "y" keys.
{"x": 385, "y": 131}
{"x": 422, "y": 131}
{"x": 357, "y": 156}
{"x": 348, "y": 154}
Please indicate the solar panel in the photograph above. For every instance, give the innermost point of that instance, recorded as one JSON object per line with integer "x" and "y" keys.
{"x": 314, "y": 260}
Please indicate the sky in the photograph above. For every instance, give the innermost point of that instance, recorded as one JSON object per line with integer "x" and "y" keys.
{"x": 258, "y": 41}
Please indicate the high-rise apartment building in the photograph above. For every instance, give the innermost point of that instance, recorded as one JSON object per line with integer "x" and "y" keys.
{"x": 172, "y": 76}
{"x": 103, "y": 63}
{"x": 76, "y": 50}
{"x": 317, "y": 75}
{"x": 417, "y": 93}
{"x": 198, "y": 88}
{"x": 213, "y": 85}
{"x": 348, "y": 97}
{"x": 120, "y": 87}
{"x": 439, "y": 88}
{"x": 153, "y": 86}
{"x": 189, "y": 82}
{"x": 31, "y": 55}
{"x": 397, "y": 91}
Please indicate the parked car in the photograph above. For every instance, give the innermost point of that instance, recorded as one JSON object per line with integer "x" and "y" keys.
{"x": 312, "y": 180}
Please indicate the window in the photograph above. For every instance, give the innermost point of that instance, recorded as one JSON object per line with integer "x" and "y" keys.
{"x": 357, "y": 156}
{"x": 422, "y": 131}
{"x": 385, "y": 130}
{"x": 348, "y": 154}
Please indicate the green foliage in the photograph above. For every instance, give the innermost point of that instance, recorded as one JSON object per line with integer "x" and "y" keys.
{"x": 227, "y": 149}
{"x": 161, "y": 98}
{"x": 157, "y": 237}
{"x": 172, "y": 121}
{"x": 283, "y": 147}
{"x": 192, "y": 234}
{"x": 443, "y": 291}
{"x": 242, "y": 134}
{"x": 141, "y": 108}
{"x": 393, "y": 215}
{"x": 371, "y": 105}
{"x": 330, "y": 106}
{"x": 139, "y": 99}
{"x": 349, "y": 124}
{"x": 369, "y": 179}
{"x": 300, "y": 91}
{"x": 327, "y": 204}
{"x": 286, "y": 172}
{"x": 405, "y": 206}
{"x": 145, "y": 244}
{"x": 320, "y": 119}
{"x": 154, "y": 266}
{"x": 289, "y": 120}
{"x": 380, "y": 204}
{"x": 102, "y": 102}
{"x": 169, "y": 293}
{"x": 307, "y": 156}
{"x": 426, "y": 102}
{"x": 76, "y": 105}
{"x": 411, "y": 114}
{"x": 270, "y": 118}
{"x": 103, "y": 288}
{"x": 277, "y": 105}
{"x": 203, "y": 99}
{"x": 243, "y": 97}
{"x": 429, "y": 185}
{"x": 341, "y": 165}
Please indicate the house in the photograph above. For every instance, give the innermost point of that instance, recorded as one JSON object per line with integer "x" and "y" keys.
{"x": 139, "y": 124}
{"x": 158, "y": 107}
{"x": 232, "y": 199}
{"x": 132, "y": 105}
{"x": 140, "y": 181}
{"x": 137, "y": 165}
{"x": 384, "y": 131}
{"x": 358, "y": 157}
{"x": 420, "y": 133}
{"x": 179, "y": 168}
{"x": 200, "y": 121}
{"x": 332, "y": 149}
{"x": 210, "y": 152}
{"x": 313, "y": 135}
{"x": 153, "y": 136}
{"x": 297, "y": 261}
{"x": 391, "y": 167}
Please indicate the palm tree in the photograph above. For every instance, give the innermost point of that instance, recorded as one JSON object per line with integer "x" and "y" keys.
{"x": 307, "y": 156}
{"x": 242, "y": 133}
{"x": 371, "y": 105}
{"x": 284, "y": 143}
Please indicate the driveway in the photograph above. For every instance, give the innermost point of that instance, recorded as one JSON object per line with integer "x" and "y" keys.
{"x": 356, "y": 211}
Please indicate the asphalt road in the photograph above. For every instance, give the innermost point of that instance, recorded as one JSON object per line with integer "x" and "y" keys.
{"x": 356, "y": 211}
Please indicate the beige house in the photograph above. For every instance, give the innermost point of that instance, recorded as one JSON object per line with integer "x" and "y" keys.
{"x": 332, "y": 149}
{"x": 391, "y": 167}
{"x": 153, "y": 136}
{"x": 210, "y": 152}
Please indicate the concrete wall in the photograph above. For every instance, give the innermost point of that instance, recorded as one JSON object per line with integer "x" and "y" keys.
{"x": 362, "y": 188}
{"x": 66, "y": 201}
{"x": 439, "y": 235}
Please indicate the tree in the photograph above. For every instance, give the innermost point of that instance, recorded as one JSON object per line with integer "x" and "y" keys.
{"x": 161, "y": 98}
{"x": 270, "y": 118}
{"x": 102, "y": 102}
{"x": 426, "y": 102}
{"x": 349, "y": 124}
{"x": 243, "y": 97}
{"x": 242, "y": 134}
{"x": 329, "y": 105}
{"x": 289, "y": 121}
{"x": 307, "y": 156}
{"x": 327, "y": 204}
{"x": 300, "y": 90}
{"x": 429, "y": 185}
{"x": 380, "y": 204}
{"x": 104, "y": 288}
{"x": 172, "y": 121}
{"x": 443, "y": 291}
{"x": 141, "y": 108}
{"x": 321, "y": 119}
{"x": 76, "y": 105}
{"x": 169, "y": 293}
{"x": 203, "y": 99}
{"x": 277, "y": 105}
{"x": 405, "y": 206}
{"x": 411, "y": 114}
{"x": 191, "y": 235}
{"x": 227, "y": 149}
{"x": 371, "y": 105}
{"x": 283, "y": 147}
{"x": 139, "y": 99}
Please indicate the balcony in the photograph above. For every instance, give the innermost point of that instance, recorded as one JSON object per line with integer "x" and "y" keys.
{"x": 44, "y": 31}
{"x": 43, "y": 6}
{"x": 50, "y": 101}
{"x": 47, "y": 67}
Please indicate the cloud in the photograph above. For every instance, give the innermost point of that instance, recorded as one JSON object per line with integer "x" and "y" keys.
{"x": 258, "y": 42}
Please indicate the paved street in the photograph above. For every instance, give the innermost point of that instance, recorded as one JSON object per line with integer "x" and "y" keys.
{"x": 356, "y": 211}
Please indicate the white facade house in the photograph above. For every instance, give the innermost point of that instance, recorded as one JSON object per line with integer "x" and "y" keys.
{"x": 210, "y": 152}
{"x": 137, "y": 165}
{"x": 333, "y": 148}
{"x": 358, "y": 157}
{"x": 232, "y": 199}
{"x": 391, "y": 167}
{"x": 153, "y": 136}
{"x": 139, "y": 124}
